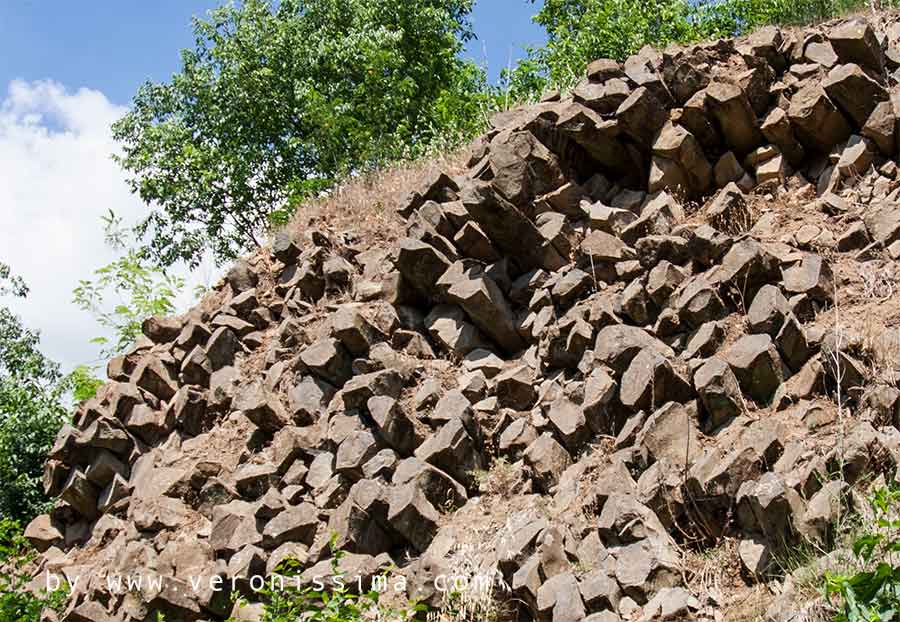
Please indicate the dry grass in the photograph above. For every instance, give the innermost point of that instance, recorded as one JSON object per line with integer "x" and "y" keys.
{"x": 502, "y": 479}
{"x": 367, "y": 205}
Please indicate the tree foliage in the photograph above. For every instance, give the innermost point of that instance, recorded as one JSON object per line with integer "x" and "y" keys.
{"x": 122, "y": 295}
{"x": 278, "y": 99}
{"x": 32, "y": 394}
{"x": 580, "y": 31}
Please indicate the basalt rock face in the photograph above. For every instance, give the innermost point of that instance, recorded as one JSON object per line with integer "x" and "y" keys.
{"x": 654, "y": 374}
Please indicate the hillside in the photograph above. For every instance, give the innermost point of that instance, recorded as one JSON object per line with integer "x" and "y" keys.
{"x": 624, "y": 363}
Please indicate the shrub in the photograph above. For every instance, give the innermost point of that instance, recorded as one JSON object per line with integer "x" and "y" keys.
{"x": 873, "y": 593}
{"x": 16, "y": 602}
{"x": 337, "y": 604}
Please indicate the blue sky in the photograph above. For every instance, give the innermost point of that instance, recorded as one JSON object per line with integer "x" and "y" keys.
{"x": 113, "y": 46}
{"x": 68, "y": 69}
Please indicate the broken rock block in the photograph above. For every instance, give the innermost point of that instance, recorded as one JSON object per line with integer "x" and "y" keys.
{"x": 697, "y": 302}
{"x": 757, "y": 366}
{"x": 413, "y": 516}
{"x": 818, "y": 122}
{"x": 611, "y": 220}
{"x": 486, "y": 305}
{"x": 547, "y": 460}
{"x": 768, "y": 506}
{"x": 677, "y": 144}
{"x": 768, "y": 310}
{"x": 746, "y": 267}
{"x": 854, "y": 41}
{"x": 658, "y": 217}
{"x": 354, "y": 330}
{"x": 719, "y": 392}
{"x": 813, "y": 277}
{"x": 328, "y": 359}
{"x": 729, "y": 211}
{"x": 651, "y": 379}
{"x": 823, "y": 512}
{"x": 360, "y": 388}
{"x": 793, "y": 344}
{"x": 644, "y": 568}
{"x": 776, "y": 127}
{"x": 559, "y": 599}
{"x": 624, "y": 520}
{"x": 293, "y": 524}
{"x": 262, "y": 408}
{"x": 515, "y": 388}
{"x": 570, "y": 422}
{"x": 670, "y": 434}
{"x": 474, "y": 243}
{"x": 508, "y": 228}
{"x": 523, "y": 168}
{"x": 671, "y": 603}
{"x": 881, "y": 128}
{"x": 449, "y": 326}
{"x": 452, "y": 450}
{"x": 641, "y": 115}
{"x": 394, "y": 425}
{"x": 854, "y": 92}
{"x": 731, "y": 108}
{"x": 42, "y": 533}
{"x": 882, "y": 220}
{"x": 421, "y": 265}
{"x": 856, "y": 158}
{"x": 617, "y": 345}
{"x": 756, "y": 556}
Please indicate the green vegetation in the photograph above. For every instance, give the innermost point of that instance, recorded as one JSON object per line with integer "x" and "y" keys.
{"x": 277, "y": 100}
{"x": 140, "y": 289}
{"x": 32, "y": 396}
{"x": 16, "y": 602}
{"x": 580, "y": 31}
{"x": 334, "y": 603}
{"x": 872, "y": 594}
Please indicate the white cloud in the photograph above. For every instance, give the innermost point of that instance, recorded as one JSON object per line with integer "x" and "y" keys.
{"x": 57, "y": 178}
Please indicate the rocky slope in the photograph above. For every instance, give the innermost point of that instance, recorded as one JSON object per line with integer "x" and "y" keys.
{"x": 651, "y": 321}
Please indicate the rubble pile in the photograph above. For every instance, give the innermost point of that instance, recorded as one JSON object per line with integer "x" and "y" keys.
{"x": 627, "y": 300}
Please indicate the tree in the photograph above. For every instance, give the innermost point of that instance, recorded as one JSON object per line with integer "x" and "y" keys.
{"x": 277, "y": 100}
{"x": 579, "y": 31}
{"x": 141, "y": 289}
{"x": 32, "y": 394}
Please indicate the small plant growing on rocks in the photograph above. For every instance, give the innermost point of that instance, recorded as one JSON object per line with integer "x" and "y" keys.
{"x": 873, "y": 593}
{"x": 337, "y": 604}
{"x": 17, "y": 602}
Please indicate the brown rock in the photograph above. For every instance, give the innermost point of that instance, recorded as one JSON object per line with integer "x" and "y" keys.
{"x": 641, "y": 115}
{"x": 854, "y": 92}
{"x": 757, "y": 366}
{"x": 731, "y": 108}
{"x": 818, "y": 123}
